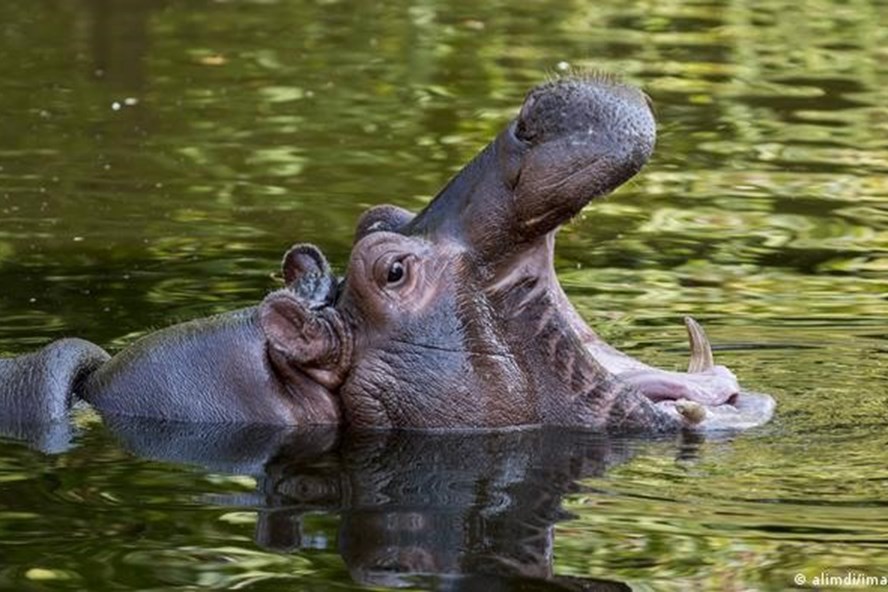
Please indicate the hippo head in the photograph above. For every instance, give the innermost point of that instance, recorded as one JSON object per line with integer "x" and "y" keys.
{"x": 454, "y": 318}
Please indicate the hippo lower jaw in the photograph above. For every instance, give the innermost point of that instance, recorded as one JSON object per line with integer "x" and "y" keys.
{"x": 706, "y": 397}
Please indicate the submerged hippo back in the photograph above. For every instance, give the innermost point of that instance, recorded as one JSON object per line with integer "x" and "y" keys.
{"x": 215, "y": 369}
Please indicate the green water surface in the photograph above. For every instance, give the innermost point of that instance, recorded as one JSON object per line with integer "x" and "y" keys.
{"x": 158, "y": 157}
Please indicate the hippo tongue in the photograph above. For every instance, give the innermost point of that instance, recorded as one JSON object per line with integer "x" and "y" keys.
{"x": 713, "y": 387}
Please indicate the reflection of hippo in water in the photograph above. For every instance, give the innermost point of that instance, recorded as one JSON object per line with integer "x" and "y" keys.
{"x": 449, "y": 511}
{"x": 453, "y": 318}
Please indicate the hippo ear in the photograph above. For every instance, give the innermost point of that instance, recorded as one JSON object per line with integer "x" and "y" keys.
{"x": 301, "y": 259}
{"x": 312, "y": 341}
{"x": 383, "y": 218}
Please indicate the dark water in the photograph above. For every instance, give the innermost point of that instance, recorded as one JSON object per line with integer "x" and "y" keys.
{"x": 157, "y": 157}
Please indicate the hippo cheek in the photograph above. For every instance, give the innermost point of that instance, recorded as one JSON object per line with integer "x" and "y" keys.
{"x": 436, "y": 362}
{"x": 417, "y": 386}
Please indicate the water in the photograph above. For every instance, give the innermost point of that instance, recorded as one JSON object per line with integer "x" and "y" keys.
{"x": 156, "y": 158}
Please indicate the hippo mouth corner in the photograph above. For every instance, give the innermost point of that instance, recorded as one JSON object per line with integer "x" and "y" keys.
{"x": 707, "y": 396}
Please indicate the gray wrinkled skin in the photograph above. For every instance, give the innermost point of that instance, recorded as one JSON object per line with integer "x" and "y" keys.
{"x": 216, "y": 369}
{"x": 450, "y": 319}
{"x": 454, "y": 318}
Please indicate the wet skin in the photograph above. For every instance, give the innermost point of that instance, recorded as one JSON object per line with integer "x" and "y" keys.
{"x": 449, "y": 319}
{"x": 455, "y": 318}
{"x": 216, "y": 369}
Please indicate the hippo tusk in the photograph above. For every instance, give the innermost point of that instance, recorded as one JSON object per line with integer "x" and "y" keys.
{"x": 692, "y": 411}
{"x": 701, "y": 352}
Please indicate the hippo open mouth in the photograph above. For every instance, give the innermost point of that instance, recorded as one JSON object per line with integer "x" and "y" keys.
{"x": 707, "y": 394}
{"x": 565, "y": 117}
{"x": 449, "y": 319}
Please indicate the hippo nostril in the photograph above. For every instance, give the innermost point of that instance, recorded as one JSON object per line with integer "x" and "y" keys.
{"x": 523, "y": 133}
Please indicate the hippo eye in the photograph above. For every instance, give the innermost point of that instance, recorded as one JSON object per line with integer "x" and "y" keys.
{"x": 395, "y": 273}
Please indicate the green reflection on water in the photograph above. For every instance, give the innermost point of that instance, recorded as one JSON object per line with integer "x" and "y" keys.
{"x": 158, "y": 157}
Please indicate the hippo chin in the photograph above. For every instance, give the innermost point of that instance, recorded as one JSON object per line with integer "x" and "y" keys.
{"x": 449, "y": 319}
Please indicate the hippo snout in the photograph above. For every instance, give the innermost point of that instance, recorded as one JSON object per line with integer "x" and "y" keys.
{"x": 591, "y": 109}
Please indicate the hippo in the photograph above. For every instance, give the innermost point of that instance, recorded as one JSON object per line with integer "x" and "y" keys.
{"x": 452, "y": 318}
{"x": 215, "y": 369}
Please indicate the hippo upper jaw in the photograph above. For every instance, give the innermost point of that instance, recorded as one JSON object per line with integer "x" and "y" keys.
{"x": 574, "y": 139}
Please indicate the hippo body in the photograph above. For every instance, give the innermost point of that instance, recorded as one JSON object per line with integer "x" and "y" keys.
{"x": 449, "y": 319}
{"x": 216, "y": 369}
